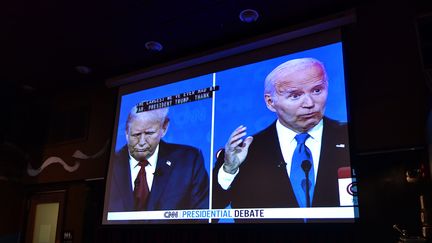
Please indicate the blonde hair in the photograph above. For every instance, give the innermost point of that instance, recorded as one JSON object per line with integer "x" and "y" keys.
{"x": 157, "y": 114}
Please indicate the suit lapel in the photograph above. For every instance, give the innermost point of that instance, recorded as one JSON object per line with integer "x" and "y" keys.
{"x": 333, "y": 146}
{"x": 164, "y": 168}
{"x": 123, "y": 179}
{"x": 278, "y": 170}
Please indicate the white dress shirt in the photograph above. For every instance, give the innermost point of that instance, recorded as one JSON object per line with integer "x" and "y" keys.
{"x": 150, "y": 168}
{"x": 287, "y": 144}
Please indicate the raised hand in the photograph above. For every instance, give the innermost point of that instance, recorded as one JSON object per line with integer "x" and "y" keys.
{"x": 236, "y": 149}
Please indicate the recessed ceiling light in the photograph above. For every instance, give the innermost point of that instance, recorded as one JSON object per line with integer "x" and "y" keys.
{"x": 83, "y": 69}
{"x": 153, "y": 46}
{"x": 248, "y": 16}
{"x": 27, "y": 88}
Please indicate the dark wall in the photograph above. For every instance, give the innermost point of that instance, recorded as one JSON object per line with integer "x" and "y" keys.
{"x": 386, "y": 82}
{"x": 388, "y": 107}
{"x": 12, "y": 209}
{"x": 32, "y": 138}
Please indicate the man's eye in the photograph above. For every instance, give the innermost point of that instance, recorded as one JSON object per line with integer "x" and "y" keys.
{"x": 317, "y": 91}
{"x": 294, "y": 96}
{"x": 150, "y": 133}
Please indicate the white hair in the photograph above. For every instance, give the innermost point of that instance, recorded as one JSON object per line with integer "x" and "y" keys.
{"x": 287, "y": 67}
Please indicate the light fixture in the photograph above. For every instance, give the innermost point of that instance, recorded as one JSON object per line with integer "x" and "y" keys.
{"x": 27, "y": 88}
{"x": 248, "y": 15}
{"x": 83, "y": 69}
{"x": 153, "y": 46}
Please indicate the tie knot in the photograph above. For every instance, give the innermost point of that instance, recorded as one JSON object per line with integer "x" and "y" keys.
{"x": 301, "y": 137}
{"x": 143, "y": 163}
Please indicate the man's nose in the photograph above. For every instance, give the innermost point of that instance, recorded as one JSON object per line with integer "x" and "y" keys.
{"x": 308, "y": 101}
{"x": 142, "y": 140}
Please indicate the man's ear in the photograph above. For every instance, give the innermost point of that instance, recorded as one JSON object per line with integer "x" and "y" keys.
{"x": 165, "y": 126}
{"x": 269, "y": 102}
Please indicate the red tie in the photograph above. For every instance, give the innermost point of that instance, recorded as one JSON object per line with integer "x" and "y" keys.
{"x": 141, "y": 190}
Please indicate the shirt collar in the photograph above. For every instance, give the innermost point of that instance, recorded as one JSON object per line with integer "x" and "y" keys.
{"x": 288, "y": 134}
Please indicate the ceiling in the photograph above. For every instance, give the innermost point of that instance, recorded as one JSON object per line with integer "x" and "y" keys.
{"x": 43, "y": 41}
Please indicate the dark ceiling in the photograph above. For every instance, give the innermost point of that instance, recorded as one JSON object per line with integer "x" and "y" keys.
{"x": 43, "y": 41}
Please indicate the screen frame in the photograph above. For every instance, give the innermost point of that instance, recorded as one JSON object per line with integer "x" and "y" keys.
{"x": 293, "y": 41}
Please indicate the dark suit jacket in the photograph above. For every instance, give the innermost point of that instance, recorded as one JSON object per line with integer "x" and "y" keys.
{"x": 263, "y": 180}
{"x": 180, "y": 181}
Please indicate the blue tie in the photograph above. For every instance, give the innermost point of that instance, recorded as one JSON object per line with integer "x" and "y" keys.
{"x": 302, "y": 154}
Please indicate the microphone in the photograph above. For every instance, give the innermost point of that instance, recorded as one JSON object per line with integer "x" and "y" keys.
{"x": 281, "y": 164}
{"x": 306, "y": 166}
